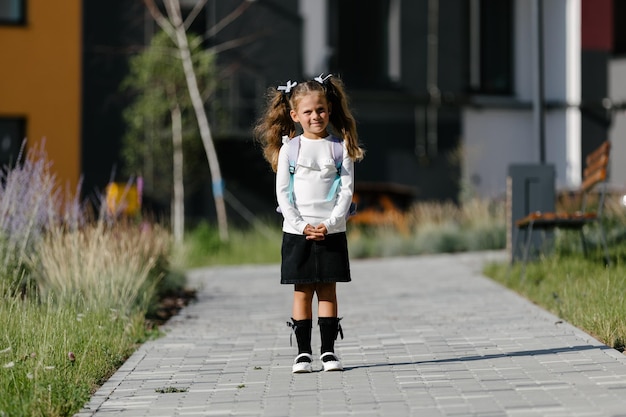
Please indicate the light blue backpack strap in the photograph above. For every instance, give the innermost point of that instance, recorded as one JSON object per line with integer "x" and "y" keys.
{"x": 294, "y": 148}
{"x": 338, "y": 157}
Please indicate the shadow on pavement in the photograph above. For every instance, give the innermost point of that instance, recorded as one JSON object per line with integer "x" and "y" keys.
{"x": 487, "y": 357}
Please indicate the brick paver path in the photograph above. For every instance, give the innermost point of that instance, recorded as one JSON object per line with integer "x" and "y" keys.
{"x": 424, "y": 336}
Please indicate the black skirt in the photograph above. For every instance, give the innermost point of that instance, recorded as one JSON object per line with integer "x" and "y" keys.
{"x": 308, "y": 261}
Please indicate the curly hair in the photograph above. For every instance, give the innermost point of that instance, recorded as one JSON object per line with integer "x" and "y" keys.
{"x": 276, "y": 120}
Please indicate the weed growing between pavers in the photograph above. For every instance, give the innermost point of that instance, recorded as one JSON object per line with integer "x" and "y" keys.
{"x": 171, "y": 390}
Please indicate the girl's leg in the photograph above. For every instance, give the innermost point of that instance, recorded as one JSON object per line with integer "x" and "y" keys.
{"x": 327, "y": 299}
{"x": 302, "y": 301}
{"x": 302, "y": 326}
{"x": 329, "y": 325}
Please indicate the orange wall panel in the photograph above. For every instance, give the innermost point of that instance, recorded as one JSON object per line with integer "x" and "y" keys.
{"x": 40, "y": 79}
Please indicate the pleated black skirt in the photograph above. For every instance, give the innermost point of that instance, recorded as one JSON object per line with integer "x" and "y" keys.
{"x": 307, "y": 261}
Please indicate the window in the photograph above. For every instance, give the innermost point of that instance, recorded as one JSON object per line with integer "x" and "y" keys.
{"x": 12, "y": 134}
{"x": 491, "y": 46}
{"x": 12, "y": 12}
{"x": 359, "y": 41}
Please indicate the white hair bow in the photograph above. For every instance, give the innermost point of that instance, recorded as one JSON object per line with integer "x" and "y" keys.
{"x": 321, "y": 79}
{"x": 287, "y": 88}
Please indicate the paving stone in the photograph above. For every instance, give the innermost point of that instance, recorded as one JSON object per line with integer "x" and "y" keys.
{"x": 424, "y": 336}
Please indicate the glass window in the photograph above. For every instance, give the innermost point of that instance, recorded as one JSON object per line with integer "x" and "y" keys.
{"x": 359, "y": 41}
{"x": 12, "y": 12}
{"x": 619, "y": 28}
{"x": 12, "y": 134}
{"x": 491, "y": 46}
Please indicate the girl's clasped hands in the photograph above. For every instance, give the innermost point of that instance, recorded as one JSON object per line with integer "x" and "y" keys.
{"x": 315, "y": 233}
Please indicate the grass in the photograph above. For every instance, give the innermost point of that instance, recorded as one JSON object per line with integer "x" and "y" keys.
{"x": 87, "y": 314}
{"x": 581, "y": 291}
{"x": 55, "y": 355}
{"x": 100, "y": 264}
{"x": 75, "y": 292}
{"x": 202, "y": 247}
{"x": 578, "y": 289}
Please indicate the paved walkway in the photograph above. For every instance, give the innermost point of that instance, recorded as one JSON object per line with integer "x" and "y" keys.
{"x": 424, "y": 336}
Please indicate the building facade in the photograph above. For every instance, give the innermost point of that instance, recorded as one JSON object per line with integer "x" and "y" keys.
{"x": 447, "y": 93}
{"x": 582, "y": 48}
{"x": 41, "y": 81}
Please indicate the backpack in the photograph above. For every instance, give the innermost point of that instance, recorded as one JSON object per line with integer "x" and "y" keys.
{"x": 337, "y": 152}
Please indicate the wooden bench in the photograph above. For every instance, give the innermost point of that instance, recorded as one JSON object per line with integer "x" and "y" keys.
{"x": 595, "y": 173}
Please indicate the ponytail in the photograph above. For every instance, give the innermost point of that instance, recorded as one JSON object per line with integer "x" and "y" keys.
{"x": 275, "y": 123}
{"x": 341, "y": 117}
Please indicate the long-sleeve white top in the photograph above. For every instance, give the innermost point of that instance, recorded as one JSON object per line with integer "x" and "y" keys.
{"x": 314, "y": 175}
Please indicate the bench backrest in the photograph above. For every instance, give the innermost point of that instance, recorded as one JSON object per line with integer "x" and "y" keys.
{"x": 596, "y": 172}
{"x": 596, "y": 166}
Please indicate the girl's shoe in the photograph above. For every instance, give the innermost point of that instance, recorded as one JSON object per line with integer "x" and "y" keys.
{"x": 302, "y": 364}
{"x": 331, "y": 362}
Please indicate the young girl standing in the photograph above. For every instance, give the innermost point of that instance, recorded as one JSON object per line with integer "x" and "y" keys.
{"x": 314, "y": 194}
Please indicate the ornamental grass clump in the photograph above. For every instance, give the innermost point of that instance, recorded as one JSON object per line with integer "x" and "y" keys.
{"x": 30, "y": 205}
{"x": 435, "y": 227}
{"x": 474, "y": 225}
{"x": 75, "y": 292}
{"x": 101, "y": 265}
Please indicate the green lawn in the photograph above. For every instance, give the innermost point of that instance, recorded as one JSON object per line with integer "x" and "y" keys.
{"x": 578, "y": 289}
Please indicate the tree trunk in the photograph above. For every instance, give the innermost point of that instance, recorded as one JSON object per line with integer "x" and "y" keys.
{"x": 178, "y": 202}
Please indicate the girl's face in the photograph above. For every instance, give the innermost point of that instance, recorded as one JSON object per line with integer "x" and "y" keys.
{"x": 313, "y": 113}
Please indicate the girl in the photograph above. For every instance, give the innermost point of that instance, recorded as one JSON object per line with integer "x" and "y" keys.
{"x": 314, "y": 195}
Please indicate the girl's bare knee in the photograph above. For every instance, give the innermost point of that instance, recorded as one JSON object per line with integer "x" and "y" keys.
{"x": 305, "y": 288}
{"x": 326, "y": 291}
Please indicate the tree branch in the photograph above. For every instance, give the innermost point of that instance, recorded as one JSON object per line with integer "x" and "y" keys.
{"x": 236, "y": 42}
{"x": 229, "y": 18}
{"x": 173, "y": 12}
{"x": 161, "y": 20}
{"x": 194, "y": 13}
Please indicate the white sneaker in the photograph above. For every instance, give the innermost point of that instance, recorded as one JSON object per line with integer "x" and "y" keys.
{"x": 302, "y": 364}
{"x": 331, "y": 362}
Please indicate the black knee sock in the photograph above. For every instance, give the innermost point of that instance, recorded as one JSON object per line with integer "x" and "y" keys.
{"x": 302, "y": 329}
{"x": 329, "y": 328}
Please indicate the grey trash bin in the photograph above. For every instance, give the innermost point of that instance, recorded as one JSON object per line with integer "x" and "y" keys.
{"x": 530, "y": 187}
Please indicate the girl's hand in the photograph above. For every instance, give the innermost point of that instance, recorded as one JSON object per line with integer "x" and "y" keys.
{"x": 315, "y": 233}
{"x": 322, "y": 229}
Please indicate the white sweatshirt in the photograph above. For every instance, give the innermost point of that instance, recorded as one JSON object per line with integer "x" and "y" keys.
{"x": 313, "y": 178}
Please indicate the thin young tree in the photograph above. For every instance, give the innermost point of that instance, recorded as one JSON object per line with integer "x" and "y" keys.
{"x": 173, "y": 24}
{"x": 159, "y": 106}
